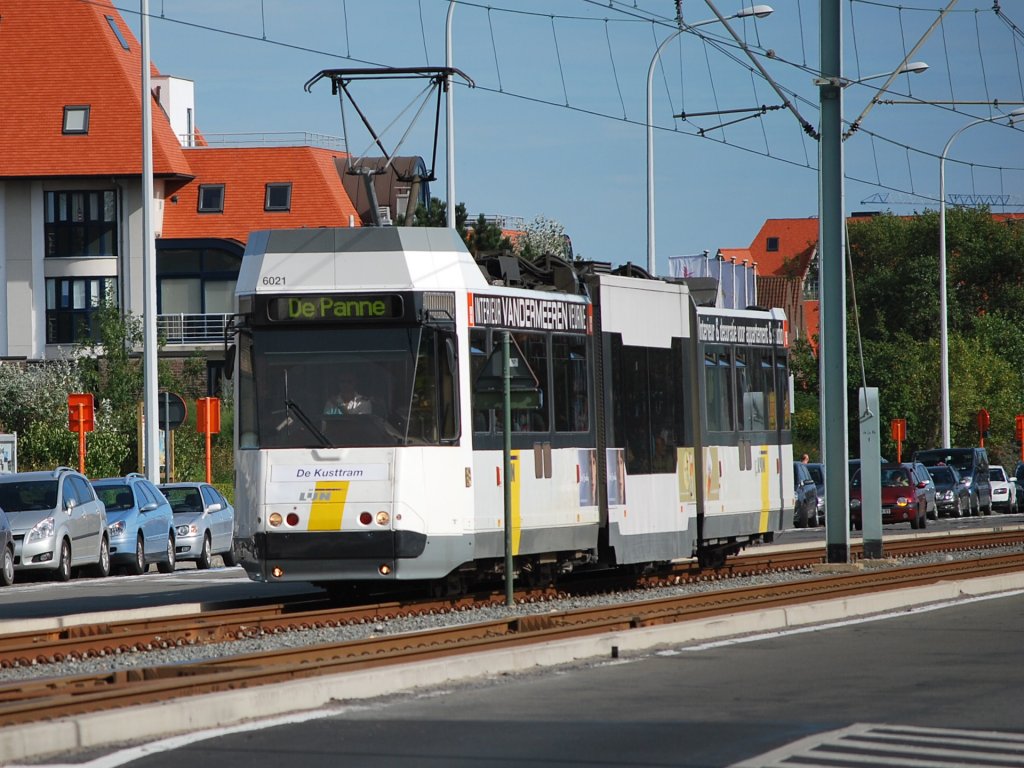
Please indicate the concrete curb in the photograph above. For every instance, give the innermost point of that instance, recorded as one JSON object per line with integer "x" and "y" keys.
{"x": 224, "y": 709}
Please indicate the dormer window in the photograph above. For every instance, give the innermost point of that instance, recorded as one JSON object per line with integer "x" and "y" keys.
{"x": 772, "y": 245}
{"x": 279, "y": 196}
{"x": 211, "y": 198}
{"x": 76, "y": 119}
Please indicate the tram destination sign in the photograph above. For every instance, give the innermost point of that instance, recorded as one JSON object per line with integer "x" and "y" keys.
{"x": 529, "y": 313}
{"x": 335, "y": 308}
{"x": 755, "y": 332}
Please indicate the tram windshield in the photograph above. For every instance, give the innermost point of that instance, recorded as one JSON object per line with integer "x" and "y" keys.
{"x": 332, "y": 388}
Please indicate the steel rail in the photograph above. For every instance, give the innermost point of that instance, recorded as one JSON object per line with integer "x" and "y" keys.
{"x": 33, "y": 701}
{"x": 92, "y": 640}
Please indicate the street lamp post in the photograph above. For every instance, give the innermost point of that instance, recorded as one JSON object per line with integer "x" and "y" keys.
{"x": 943, "y": 312}
{"x": 759, "y": 11}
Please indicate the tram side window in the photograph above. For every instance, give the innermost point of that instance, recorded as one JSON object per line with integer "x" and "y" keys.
{"x": 534, "y": 347}
{"x": 665, "y": 396}
{"x": 631, "y": 405}
{"x": 433, "y": 412}
{"x": 755, "y": 388}
{"x": 569, "y": 365}
{"x": 248, "y": 429}
{"x": 478, "y": 351}
{"x": 782, "y": 386}
{"x": 718, "y": 387}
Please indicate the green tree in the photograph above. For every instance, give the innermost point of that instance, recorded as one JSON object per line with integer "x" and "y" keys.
{"x": 487, "y": 236}
{"x": 543, "y": 236}
{"x": 895, "y": 273}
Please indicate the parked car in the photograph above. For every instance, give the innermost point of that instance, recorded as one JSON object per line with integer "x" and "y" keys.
{"x": 139, "y": 522}
{"x": 204, "y": 522}
{"x": 818, "y": 475}
{"x": 952, "y": 495}
{"x": 805, "y": 497}
{"x": 922, "y": 474}
{"x": 57, "y": 521}
{"x": 904, "y": 497}
{"x": 7, "y": 541}
{"x": 1004, "y": 489}
{"x": 972, "y": 464}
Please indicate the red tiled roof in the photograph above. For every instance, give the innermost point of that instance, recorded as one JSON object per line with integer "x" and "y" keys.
{"x": 55, "y": 53}
{"x": 796, "y": 241}
{"x": 318, "y": 197}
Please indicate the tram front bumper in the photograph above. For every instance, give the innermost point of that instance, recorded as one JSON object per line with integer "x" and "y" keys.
{"x": 341, "y": 555}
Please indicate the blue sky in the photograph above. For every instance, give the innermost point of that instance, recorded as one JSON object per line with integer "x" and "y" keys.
{"x": 556, "y": 124}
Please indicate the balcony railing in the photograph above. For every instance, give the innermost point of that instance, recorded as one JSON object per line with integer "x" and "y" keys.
{"x": 191, "y": 329}
{"x": 277, "y": 139}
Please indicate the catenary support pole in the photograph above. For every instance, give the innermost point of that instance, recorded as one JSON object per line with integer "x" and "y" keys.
{"x": 832, "y": 362}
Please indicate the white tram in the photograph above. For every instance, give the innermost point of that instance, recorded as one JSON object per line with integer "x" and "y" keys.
{"x": 662, "y": 429}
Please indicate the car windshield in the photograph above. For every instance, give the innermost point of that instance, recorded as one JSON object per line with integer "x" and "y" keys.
{"x": 895, "y": 478}
{"x": 817, "y": 474}
{"x": 996, "y": 473}
{"x": 941, "y": 474}
{"x": 28, "y": 495}
{"x": 116, "y": 498}
{"x": 184, "y": 500}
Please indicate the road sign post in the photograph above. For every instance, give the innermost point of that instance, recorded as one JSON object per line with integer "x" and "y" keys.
{"x": 899, "y": 434}
{"x": 208, "y": 423}
{"x": 171, "y": 414}
{"x": 81, "y": 407}
{"x": 984, "y": 421}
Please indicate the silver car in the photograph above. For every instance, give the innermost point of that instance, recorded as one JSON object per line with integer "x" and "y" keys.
{"x": 57, "y": 521}
{"x": 7, "y": 541}
{"x": 204, "y": 522}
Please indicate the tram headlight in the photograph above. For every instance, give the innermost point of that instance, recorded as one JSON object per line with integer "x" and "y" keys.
{"x": 383, "y": 518}
{"x": 274, "y": 519}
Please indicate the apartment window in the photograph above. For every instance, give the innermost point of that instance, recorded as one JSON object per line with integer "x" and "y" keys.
{"x": 196, "y": 281}
{"x": 71, "y": 307}
{"x": 211, "y": 198}
{"x": 772, "y": 244}
{"x": 279, "y": 197}
{"x": 76, "y": 119}
{"x": 81, "y": 223}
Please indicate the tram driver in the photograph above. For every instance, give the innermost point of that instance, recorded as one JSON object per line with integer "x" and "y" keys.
{"x": 347, "y": 398}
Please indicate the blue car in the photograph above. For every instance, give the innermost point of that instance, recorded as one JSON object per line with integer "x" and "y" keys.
{"x": 140, "y": 523}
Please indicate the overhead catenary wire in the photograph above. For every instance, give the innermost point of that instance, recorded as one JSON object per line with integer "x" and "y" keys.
{"x": 632, "y": 14}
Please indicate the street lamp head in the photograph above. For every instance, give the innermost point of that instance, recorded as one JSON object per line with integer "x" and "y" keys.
{"x": 758, "y": 11}
{"x": 912, "y": 67}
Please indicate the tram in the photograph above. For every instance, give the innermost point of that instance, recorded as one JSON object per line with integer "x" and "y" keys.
{"x": 654, "y": 429}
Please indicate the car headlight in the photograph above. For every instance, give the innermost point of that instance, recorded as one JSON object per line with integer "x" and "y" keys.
{"x": 187, "y": 530}
{"x": 42, "y": 530}
{"x": 945, "y": 495}
{"x": 854, "y": 503}
{"x": 902, "y": 501}
{"x": 116, "y": 529}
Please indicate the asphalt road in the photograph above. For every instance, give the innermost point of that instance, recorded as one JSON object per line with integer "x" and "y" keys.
{"x": 943, "y": 682}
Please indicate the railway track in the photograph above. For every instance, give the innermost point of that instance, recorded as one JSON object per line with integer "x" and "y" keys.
{"x": 109, "y": 639}
{"x": 32, "y": 701}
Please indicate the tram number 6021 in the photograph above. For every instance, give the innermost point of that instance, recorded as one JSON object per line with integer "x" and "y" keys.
{"x": 273, "y": 280}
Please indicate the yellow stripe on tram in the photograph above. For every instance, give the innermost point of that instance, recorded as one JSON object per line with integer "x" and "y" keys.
{"x": 762, "y": 466}
{"x": 516, "y": 518}
{"x": 328, "y": 506}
